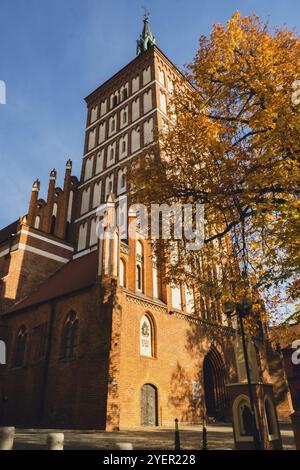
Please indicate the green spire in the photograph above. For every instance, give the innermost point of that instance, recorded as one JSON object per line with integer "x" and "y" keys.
{"x": 146, "y": 39}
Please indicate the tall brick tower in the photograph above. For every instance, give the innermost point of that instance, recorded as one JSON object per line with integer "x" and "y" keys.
{"x": 122, "y": 115}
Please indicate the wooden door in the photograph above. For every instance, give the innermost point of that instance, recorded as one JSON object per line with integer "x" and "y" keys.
{"x": 148, "y": 405}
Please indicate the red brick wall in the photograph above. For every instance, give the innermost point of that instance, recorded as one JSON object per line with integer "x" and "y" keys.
{"x": 25, "y": 271}
{"x": 75, "y": 389}
{"x": 108, "y": 372}
{"x": 180, "y": 348}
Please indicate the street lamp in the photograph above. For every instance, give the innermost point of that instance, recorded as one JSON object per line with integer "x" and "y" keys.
{"x": 241, "y": 310}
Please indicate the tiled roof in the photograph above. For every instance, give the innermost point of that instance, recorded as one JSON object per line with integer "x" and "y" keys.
{"x": 76, "y": 274}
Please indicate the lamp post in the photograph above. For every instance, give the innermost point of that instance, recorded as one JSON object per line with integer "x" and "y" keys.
{"x": 241, "y": 310}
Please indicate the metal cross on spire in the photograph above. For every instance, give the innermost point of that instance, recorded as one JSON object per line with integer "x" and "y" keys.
{"x": 146, "y": 39}
{"x": 146, "y": 13}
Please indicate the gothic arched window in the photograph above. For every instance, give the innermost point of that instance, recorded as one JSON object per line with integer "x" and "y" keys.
{"x": 139, "y": 248}
{"x": 114, "y": 101}
{"x": 82, "y": 237}
{"x": 176, "y": 297}
{"x": 146, "y": 337}
{"x": 122, "y": 274}
{"x": 124, "y": 94}
{"x": 138, "y": 278}
{"x": 189, "y": 299}
{"x": 139, "y": 266}
{"x": 161, "y": 76}
{"x": 20, "y": 347}
{"x": 37, "y": 221}
{"x": 53, "y": 219}
{"x": 53, "y": 223}
{"x": 155, "y": 279}
{"x": 70, "y": 336}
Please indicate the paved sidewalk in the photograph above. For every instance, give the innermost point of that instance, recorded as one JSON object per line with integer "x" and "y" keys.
{"x": 220, "y": 436}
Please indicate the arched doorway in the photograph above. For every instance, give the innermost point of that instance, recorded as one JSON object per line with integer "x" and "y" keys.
{"x": 214, "y": 385}
{"x": 148, "y": 405}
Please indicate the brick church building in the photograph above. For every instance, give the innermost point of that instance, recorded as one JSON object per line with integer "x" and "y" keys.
{"x": 94, "y": 337}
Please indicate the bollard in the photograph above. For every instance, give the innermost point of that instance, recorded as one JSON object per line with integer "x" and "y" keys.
{"x": 7, "y": 434}
{"x": 55, "y": 441}
{"x": 177, "y": 436}
{"x": 204, "y": 435}
{"x": 124, "y": 445}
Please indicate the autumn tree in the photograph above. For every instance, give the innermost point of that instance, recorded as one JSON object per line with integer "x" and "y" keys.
{"x": 234, "y": 147}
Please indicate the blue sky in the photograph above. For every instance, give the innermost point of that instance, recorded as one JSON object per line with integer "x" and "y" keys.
{"x": 54, "y": 53}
